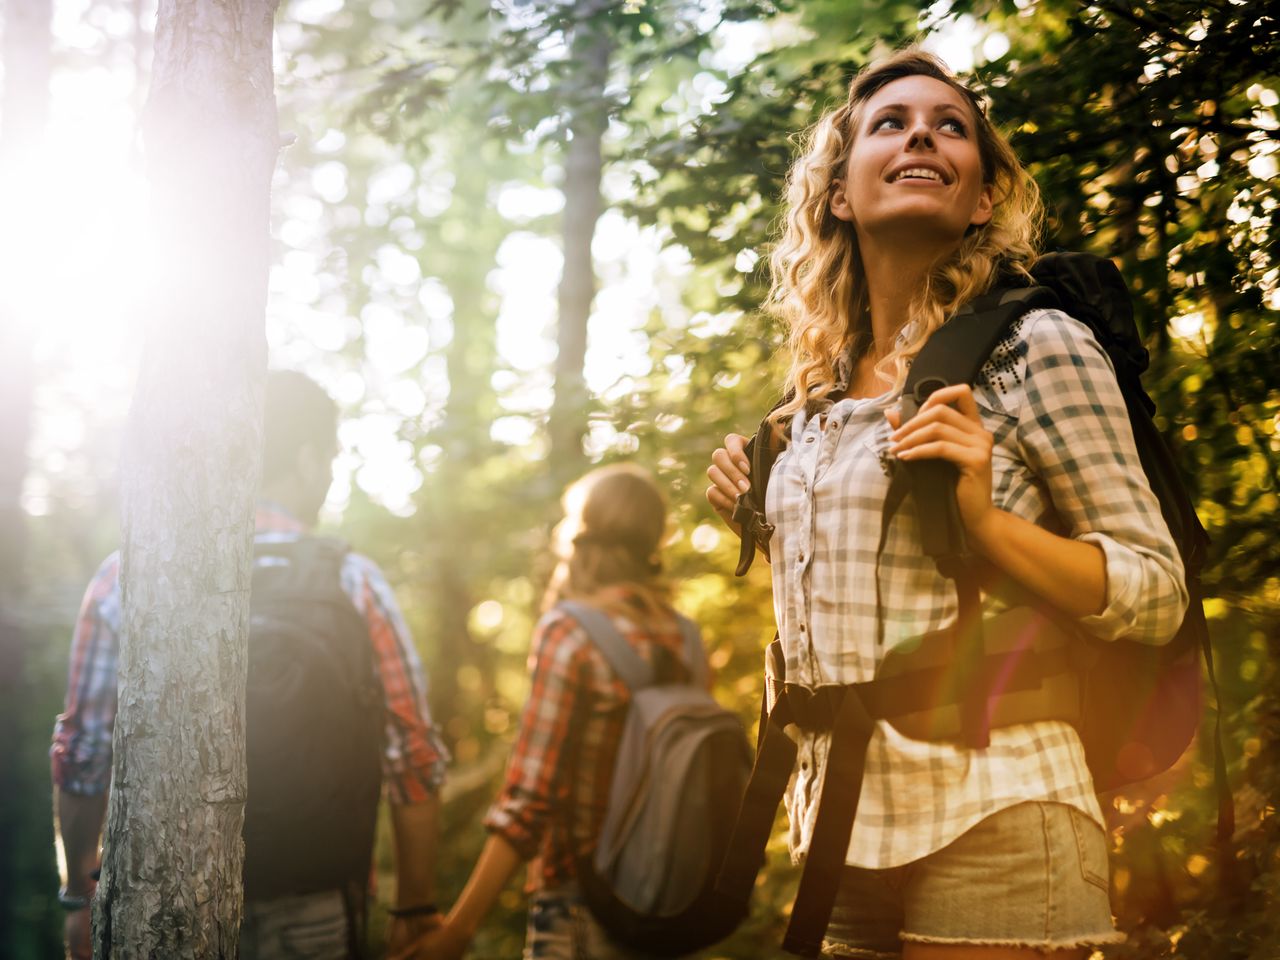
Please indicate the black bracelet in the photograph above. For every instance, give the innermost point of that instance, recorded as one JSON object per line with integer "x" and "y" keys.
{"x": 422, "y": 910}
{"x": 71, "y": 902}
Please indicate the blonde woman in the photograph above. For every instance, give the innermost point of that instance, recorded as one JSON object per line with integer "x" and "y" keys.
{"x": 556, "y": 789}
{"x": 904, "y": 205}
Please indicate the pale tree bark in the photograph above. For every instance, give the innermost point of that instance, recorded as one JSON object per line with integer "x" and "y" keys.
{"x": 27, "y": 40}
{"x": 591, "y": 48}
{"x": 171, "y": 883}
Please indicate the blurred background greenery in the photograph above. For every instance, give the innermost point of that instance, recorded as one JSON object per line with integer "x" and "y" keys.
{"x": 443, "y": 167}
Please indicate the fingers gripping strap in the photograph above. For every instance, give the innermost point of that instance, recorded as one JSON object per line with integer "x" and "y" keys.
{"x": 837, "y": 808}
{"x": 626, "y": 663}
{"x": 955, "y": 353}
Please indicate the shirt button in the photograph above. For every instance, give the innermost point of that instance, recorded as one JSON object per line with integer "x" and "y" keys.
{"x": 802, "y": 628}
{"x": 808, "y": 439}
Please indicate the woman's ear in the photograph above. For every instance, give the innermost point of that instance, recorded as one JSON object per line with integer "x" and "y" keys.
{"x": 838, "y": 202}
{"x": 982, "y": 213}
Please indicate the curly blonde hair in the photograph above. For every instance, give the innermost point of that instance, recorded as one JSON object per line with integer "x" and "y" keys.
{"x": 818, "y": 286}
{"x": 615, "y": 522}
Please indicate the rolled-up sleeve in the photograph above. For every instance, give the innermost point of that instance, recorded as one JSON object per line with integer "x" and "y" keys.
{"x": 1074, "y": 434}
{"x": 414, "y": 757}
{"x": 534, "y": 785}
{"x": 80, "y": 758}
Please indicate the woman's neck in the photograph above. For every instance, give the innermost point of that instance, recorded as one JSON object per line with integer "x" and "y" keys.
{"x": 894, "y": 273}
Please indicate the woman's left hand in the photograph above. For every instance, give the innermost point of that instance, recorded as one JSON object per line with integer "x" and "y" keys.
{"x": 949, "y": 427}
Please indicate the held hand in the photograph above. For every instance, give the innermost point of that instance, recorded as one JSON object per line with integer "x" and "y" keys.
{"x": 443, "y": 942}
{"x": 728, "y": 474}
{"x": 404, "y": 932}
{"x": 948, "y": 427}
{"x": 78, "y": 932}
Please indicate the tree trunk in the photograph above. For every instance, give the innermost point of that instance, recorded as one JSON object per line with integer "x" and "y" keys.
{"x": 584, "y": 163}
{"x": 470, "y": 359}
{"x": 171, "y": 883}
{"x": 26, "y": 52}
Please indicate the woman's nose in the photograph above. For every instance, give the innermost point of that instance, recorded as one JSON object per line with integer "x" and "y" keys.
{"x": 921, "y": 135}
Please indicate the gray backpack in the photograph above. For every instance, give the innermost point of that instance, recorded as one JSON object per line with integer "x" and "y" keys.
{"x": 681, "y": 769}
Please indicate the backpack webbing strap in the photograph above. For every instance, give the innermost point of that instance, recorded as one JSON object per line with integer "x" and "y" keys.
{"x": 829, "y": 843}
{"x": 630, "y": 667}
{"x": 770, "y": 774}
{"x": 849, "y": 711}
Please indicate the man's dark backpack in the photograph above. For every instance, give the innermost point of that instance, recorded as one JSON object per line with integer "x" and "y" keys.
{"x": 678, "y": 778}
{"x": 314, "y": 719}
{"x": 1136, "y": 707}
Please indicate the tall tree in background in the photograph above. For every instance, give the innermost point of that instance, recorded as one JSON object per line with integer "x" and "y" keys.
{"x": 171, "y": 880}
{"x": 591, "y": 47}
{"x": 23, "y": 113}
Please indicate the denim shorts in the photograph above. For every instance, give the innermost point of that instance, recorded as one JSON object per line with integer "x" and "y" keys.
{"x": 562, "y": 928}
{"x": 1031, "y": 875}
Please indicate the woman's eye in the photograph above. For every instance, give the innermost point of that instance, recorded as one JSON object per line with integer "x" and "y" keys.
{"x": 955, "y": 125}
{"x": 886, "y": 120}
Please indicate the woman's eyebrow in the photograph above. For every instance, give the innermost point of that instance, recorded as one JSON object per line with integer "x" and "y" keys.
{"x": 901, "y": 107}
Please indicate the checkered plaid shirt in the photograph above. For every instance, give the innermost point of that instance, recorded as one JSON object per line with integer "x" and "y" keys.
{"x": 556, "y": 788}
{"x": 413, "y": 760}
{"x": 1064, "y": 457}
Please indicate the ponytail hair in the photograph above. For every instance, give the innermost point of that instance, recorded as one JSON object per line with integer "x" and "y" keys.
{"x": 615, "y": 519}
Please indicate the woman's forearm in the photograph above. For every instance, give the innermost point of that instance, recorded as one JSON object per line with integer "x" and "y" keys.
{"x": 1069, "y": 574}
{"x": 498, "y": 860}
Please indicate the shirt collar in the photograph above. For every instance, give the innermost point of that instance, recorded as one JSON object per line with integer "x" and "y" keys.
{"x": 844, "y": 362}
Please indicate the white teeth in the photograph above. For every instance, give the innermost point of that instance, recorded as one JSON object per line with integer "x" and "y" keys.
{"x": 920, "y": 172}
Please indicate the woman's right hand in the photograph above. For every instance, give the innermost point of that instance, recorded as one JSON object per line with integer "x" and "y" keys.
{"x": 444, "y": 942}
{"x": 728, "y": 473}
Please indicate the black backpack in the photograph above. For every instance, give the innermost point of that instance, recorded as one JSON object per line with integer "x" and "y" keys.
{"x": 1136, "y": 707}
{"x": 314, "y": 726}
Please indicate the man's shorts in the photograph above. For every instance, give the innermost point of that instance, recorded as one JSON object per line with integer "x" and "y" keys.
{"x": 312, "y": 926}
{"x": 1032, "y": 875}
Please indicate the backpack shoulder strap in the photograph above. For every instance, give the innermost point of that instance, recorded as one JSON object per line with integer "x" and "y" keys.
{"x": 695, "y": 656}
{"x": 955, "y": 353}
{"x": 749, "y": 511}
{"x": 630, "y": 667}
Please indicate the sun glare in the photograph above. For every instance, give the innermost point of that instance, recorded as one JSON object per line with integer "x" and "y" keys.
{"x": 74, "y": 247}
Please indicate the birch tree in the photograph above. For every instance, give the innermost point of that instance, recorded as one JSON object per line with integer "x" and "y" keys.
{"x": 171, "y": 882}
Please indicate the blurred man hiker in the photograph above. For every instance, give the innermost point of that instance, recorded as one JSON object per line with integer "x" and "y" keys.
{"x": 335, "y": 710}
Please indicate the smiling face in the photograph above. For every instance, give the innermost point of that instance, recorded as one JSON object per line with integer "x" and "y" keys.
{"x": 914, "y": 170}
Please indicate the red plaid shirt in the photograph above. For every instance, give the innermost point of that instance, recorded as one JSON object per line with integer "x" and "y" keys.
{"x": 413, "y": 758}
{"x": 556, "y": 788}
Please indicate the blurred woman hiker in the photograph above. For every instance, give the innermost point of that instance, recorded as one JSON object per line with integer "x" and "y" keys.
{"x": 905, "y": 205}
{"x": 557, "y": 784}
